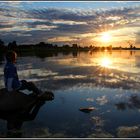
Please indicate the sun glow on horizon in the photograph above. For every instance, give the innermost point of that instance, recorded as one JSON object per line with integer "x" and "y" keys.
{"x": 106, "y": 37}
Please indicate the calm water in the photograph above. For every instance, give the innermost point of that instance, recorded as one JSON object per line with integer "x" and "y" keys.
{"x": 107, "y": 81}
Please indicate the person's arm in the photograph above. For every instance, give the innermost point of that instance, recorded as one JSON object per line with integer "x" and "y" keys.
{"x": 9, "y": 84}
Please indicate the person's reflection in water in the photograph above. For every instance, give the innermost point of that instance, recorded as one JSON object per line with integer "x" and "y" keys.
{"x": 16, "y": 120}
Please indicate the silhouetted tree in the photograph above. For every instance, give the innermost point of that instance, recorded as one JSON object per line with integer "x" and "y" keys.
{"x": 66, "y": 47}
{"x": 12, "y": 46}
{"x": 109, "y": 48}
{"x": 74, "y": 45}
{"x": 131, "y": 45}
{"x": 55, "y": 46}
{"x": 41, "y": 44}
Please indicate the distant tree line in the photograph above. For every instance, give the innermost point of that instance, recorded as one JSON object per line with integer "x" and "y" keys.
{"x": 55, "y": 48}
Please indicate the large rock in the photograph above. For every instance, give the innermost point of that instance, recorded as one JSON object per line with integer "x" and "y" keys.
{"x": 15, "y": 101}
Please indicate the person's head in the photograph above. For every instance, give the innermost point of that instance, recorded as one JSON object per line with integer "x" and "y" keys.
{"x": 11, "y": 56}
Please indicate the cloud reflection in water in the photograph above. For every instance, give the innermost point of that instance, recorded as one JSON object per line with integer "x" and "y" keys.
{"x": 132, "y": 103}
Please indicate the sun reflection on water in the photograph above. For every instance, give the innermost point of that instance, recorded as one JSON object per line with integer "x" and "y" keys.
{"x": 105, "y": 62}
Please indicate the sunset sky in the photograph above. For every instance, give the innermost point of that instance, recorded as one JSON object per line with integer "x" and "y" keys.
{"x": 85, "y": 23}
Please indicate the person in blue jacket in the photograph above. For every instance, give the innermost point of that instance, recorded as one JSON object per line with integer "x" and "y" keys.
{"x": 12, "y": 82}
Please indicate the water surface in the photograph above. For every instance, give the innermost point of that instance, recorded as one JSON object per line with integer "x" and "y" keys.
{"x": 107, "y": 81}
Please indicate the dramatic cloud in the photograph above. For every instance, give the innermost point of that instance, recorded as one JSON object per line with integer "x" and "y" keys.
{"x": 52, "y": 23}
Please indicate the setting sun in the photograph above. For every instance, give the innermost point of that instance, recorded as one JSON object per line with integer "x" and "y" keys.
{"x": 106, "y": 37}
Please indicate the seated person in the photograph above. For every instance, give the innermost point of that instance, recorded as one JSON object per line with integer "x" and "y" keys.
{"x": 11, "y": 79}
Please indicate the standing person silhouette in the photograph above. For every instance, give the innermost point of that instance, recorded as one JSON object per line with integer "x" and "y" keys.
{"x": 11, "y": 80}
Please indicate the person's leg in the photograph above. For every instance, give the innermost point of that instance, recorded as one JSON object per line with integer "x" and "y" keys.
{"x": 30, "y": 86}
